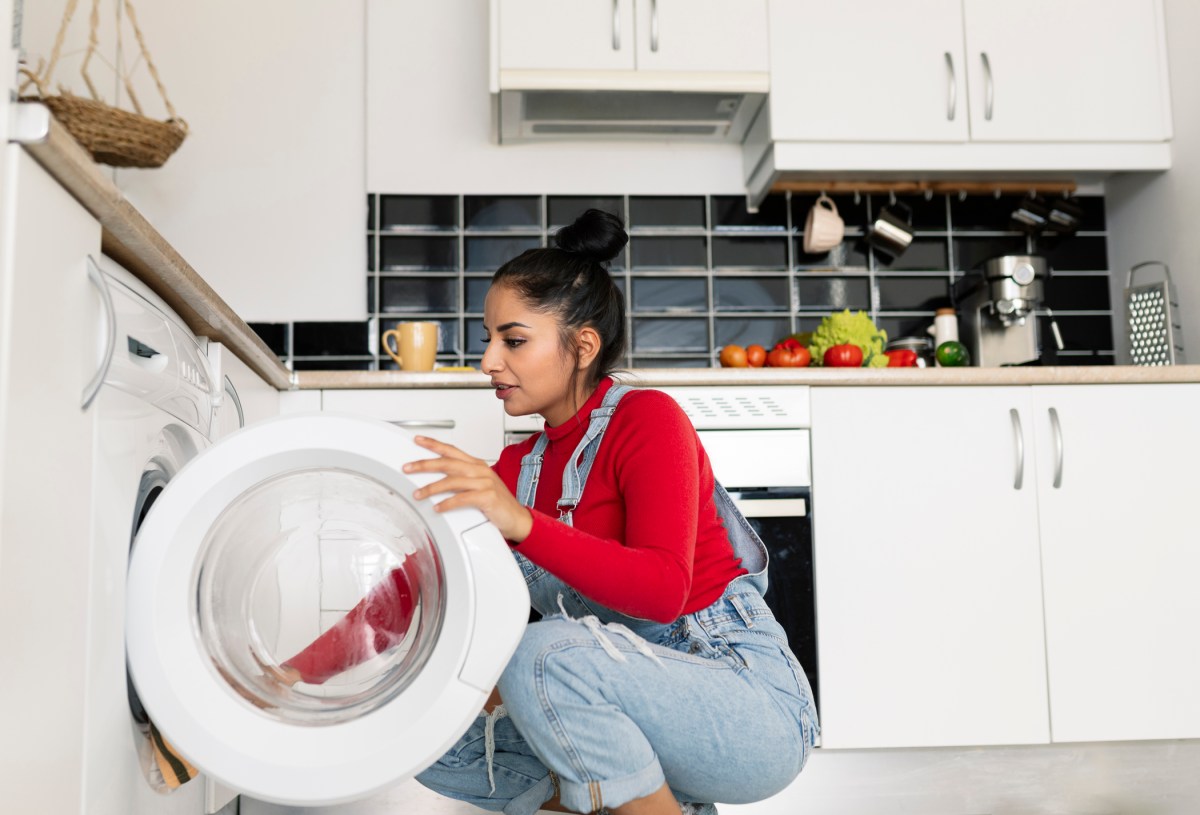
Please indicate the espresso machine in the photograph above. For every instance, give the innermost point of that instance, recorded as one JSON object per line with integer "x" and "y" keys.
{"x": 996, "y": 306}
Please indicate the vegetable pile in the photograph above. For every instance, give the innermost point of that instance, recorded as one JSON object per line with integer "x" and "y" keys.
{"x": 846, "y": 328}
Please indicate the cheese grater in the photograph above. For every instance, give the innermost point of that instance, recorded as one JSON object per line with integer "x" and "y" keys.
{"x": 1152, "y": 312}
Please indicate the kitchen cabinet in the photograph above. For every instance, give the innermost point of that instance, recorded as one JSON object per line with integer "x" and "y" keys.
{"x": 868, "y": 71}
{"x": 1066, "y": 71}
{"x": 953, "y": 88}
{"x": 1006, "y": 565}
{"x": 953, "y": 70}
{"x": 471, "y": 419}
{"x": 1120, "y": 555}
{"x": 929, "y": 609}
{"x": 647, "y": 36}
{"x": 51, "y": 340}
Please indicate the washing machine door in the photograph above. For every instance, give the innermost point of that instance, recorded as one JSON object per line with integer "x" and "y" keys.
{"x": 298, "y": 540}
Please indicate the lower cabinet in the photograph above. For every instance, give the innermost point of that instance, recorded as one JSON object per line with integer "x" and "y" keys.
{"x": 1117, "y": 498}
{"x": 929, "y": 606}
{"x": 1006, "y": 565}
{"x": 472, "y": 419}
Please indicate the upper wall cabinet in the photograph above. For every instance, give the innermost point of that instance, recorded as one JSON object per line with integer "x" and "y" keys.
{"x": 868, "y": 71}
{"x": 678, "y": 69}
{"x": 1067, "y": 70}
{"x": 1060, "y": 88}
{"x": 687, "y": 36}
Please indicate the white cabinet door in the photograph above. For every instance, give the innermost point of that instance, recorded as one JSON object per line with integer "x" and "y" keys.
{"x": 1068, "y": 70}
{"x": 725, "y": 36}
{"x": 471, "y": 419}
{"x": 870, "y": 70}
{"x": 929, "y": 607}
{"x": 575, "y": 35}
{"x": 1121, "y": 555}
{"x": 51, "y": 337}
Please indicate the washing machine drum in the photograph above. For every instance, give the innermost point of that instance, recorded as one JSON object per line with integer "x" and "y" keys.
{"x": 302, "y": 630}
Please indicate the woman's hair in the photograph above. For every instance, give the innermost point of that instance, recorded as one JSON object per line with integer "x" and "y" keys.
{"x": 571, "y": 281}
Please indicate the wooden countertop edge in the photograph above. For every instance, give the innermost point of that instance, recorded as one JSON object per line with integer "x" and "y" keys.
{"x": 134, "y": 243}
{"x": 1066, "y": 375}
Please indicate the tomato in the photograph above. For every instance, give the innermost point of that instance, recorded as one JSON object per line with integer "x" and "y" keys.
{"x": 756, "y": 356}
{"x": 901, "y": 358}
{"x": 783, "y": 356}
{"x": 843, "y": 356}
{"x": 733, "y": 356}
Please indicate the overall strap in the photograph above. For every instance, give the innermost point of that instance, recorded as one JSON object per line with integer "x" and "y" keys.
{"x": 576, "y": 472}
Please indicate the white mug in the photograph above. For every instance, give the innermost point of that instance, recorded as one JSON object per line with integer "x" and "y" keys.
{"x": 824, "y": 228}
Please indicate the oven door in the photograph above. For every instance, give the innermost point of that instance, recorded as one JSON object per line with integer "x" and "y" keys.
{"x": 782, "y": 518}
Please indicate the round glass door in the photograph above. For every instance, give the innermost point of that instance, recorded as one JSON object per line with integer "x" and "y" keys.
{"x": 319, "y": 595}
{"x": 300, "y": 628}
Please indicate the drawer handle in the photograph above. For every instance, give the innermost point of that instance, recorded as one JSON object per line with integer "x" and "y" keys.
{"x": 440, "y": 424}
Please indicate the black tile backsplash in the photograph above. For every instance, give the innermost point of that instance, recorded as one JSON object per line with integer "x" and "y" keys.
{"x": 701, "y": 271}
{"x": 330, "y": 339}
{"x": 670, "y": 294}
{"x": 729, "y": 214}
{"x": 669, "y": 252}
{"x": 418, "y": 212}
{"x": 489, "y": 254}
{"x": 418, "y": 252}
{"x": 741, "y": 252}
{"x": 670, "y": 212}
{"x": 483, "y": 212}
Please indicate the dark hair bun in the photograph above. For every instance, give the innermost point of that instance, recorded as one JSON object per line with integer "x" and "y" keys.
{"x": 596, "y": 234}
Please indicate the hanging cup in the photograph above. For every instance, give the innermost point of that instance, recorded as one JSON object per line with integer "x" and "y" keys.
{"x": 824, "y": 228}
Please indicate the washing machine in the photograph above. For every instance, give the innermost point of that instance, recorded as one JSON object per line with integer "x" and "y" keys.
{"x": 219, "y": 555}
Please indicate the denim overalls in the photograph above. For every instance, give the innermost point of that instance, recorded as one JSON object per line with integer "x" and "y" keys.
{"x": 713, "y": 704}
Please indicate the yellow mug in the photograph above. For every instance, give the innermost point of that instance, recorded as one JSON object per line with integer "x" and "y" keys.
{"x": 416, "y": 345}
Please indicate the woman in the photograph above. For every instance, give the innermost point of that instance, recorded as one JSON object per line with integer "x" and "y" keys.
{"x": 658, "y": 677}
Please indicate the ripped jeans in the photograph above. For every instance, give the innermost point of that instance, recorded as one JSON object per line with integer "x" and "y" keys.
{"x": 713, "y": 704}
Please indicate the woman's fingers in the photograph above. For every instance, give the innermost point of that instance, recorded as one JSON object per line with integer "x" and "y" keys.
{"x": 453, "y": 483}
{"x": 442, "y": 448}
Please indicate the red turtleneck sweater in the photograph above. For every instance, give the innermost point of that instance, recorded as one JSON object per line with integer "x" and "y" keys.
{"x": 646, "y": 539}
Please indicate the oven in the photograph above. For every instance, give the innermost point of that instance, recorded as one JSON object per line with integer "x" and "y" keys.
{"x": 766, "y": 471}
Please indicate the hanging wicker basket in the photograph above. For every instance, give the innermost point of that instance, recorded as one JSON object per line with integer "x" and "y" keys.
{"x": 116, "y": 137}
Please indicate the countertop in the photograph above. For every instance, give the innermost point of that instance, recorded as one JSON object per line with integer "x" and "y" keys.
{"x": 132, "y": 241}
{"x": 1067, "y": 375}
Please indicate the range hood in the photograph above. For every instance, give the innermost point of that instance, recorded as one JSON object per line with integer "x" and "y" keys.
{"x": 534, "y": 114}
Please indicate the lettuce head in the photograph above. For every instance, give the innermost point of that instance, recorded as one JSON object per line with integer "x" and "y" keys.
{"x": 853, "y": 329}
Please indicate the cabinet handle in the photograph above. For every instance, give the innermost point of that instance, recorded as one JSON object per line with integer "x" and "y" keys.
{"x": 616, "y": 26}
{"x": 989, "y": 95}
{"x": 439, "y": 424}
{"x": 1056, "y": 429}
{"x": 654, "y": 26}
{"x": 110, "y": 340}
{"x": 1019, "y": 444}
{"x": 951, "y": 88}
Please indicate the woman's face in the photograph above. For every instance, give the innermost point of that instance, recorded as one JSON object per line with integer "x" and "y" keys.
{"x": 530, "y": 369}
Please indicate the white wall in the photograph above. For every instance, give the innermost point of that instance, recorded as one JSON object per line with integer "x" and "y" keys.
{"x": 429, "y": 120}
{"x": 1155, "y": 216}
{"x": 266, "y": 198}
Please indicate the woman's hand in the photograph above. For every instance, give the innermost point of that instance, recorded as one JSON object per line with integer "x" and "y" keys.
{"x": 474, "y": 484}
